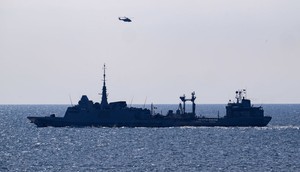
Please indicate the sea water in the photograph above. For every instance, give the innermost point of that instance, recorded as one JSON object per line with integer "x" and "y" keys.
{"x": 24, "y": 147}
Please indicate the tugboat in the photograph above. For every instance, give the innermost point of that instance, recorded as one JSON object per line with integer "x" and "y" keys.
{"x": 117, "y": 114}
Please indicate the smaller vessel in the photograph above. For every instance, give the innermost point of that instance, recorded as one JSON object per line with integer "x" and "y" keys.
{"x": 117, "y": 114}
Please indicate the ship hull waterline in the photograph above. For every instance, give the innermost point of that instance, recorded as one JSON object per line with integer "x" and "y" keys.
{"x": 199, "y": 122}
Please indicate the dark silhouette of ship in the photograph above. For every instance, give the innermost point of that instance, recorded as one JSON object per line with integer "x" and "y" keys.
{"x": 117, "y": 114}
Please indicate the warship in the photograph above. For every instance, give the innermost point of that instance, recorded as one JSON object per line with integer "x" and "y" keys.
{"x": 117, "y": 114}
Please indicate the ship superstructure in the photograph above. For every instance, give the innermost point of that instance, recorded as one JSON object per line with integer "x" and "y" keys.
{"x": 243, "y": 107}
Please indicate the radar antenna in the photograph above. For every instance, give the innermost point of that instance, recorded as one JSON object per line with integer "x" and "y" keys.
{"x": 104, "y": 74}
{"x": 240, "y": 94}
{"x": 104, "y": 102}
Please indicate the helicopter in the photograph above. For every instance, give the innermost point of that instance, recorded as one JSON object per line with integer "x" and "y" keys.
{"x": 125, "y": 19}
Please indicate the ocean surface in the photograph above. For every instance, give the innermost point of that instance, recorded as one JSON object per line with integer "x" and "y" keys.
{"x": 24, "y": 147}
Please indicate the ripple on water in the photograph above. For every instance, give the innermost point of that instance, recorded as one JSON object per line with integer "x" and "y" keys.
{"x": 27, "y": 148}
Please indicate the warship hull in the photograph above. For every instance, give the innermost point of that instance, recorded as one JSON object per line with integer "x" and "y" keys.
{"x": 205, "y": 122}
{"x": 117, "y": 114}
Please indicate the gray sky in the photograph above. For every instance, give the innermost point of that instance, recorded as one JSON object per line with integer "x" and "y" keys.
{"x": 53, "y": 49}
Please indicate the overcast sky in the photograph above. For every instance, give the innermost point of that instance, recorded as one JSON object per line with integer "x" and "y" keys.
{"x": 51, "y": 50}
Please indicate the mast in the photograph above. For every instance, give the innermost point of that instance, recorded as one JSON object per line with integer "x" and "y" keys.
{"x": 104, "y": 102}
{"x": 183, "y": 99}
{"x": 193, "y": 101}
